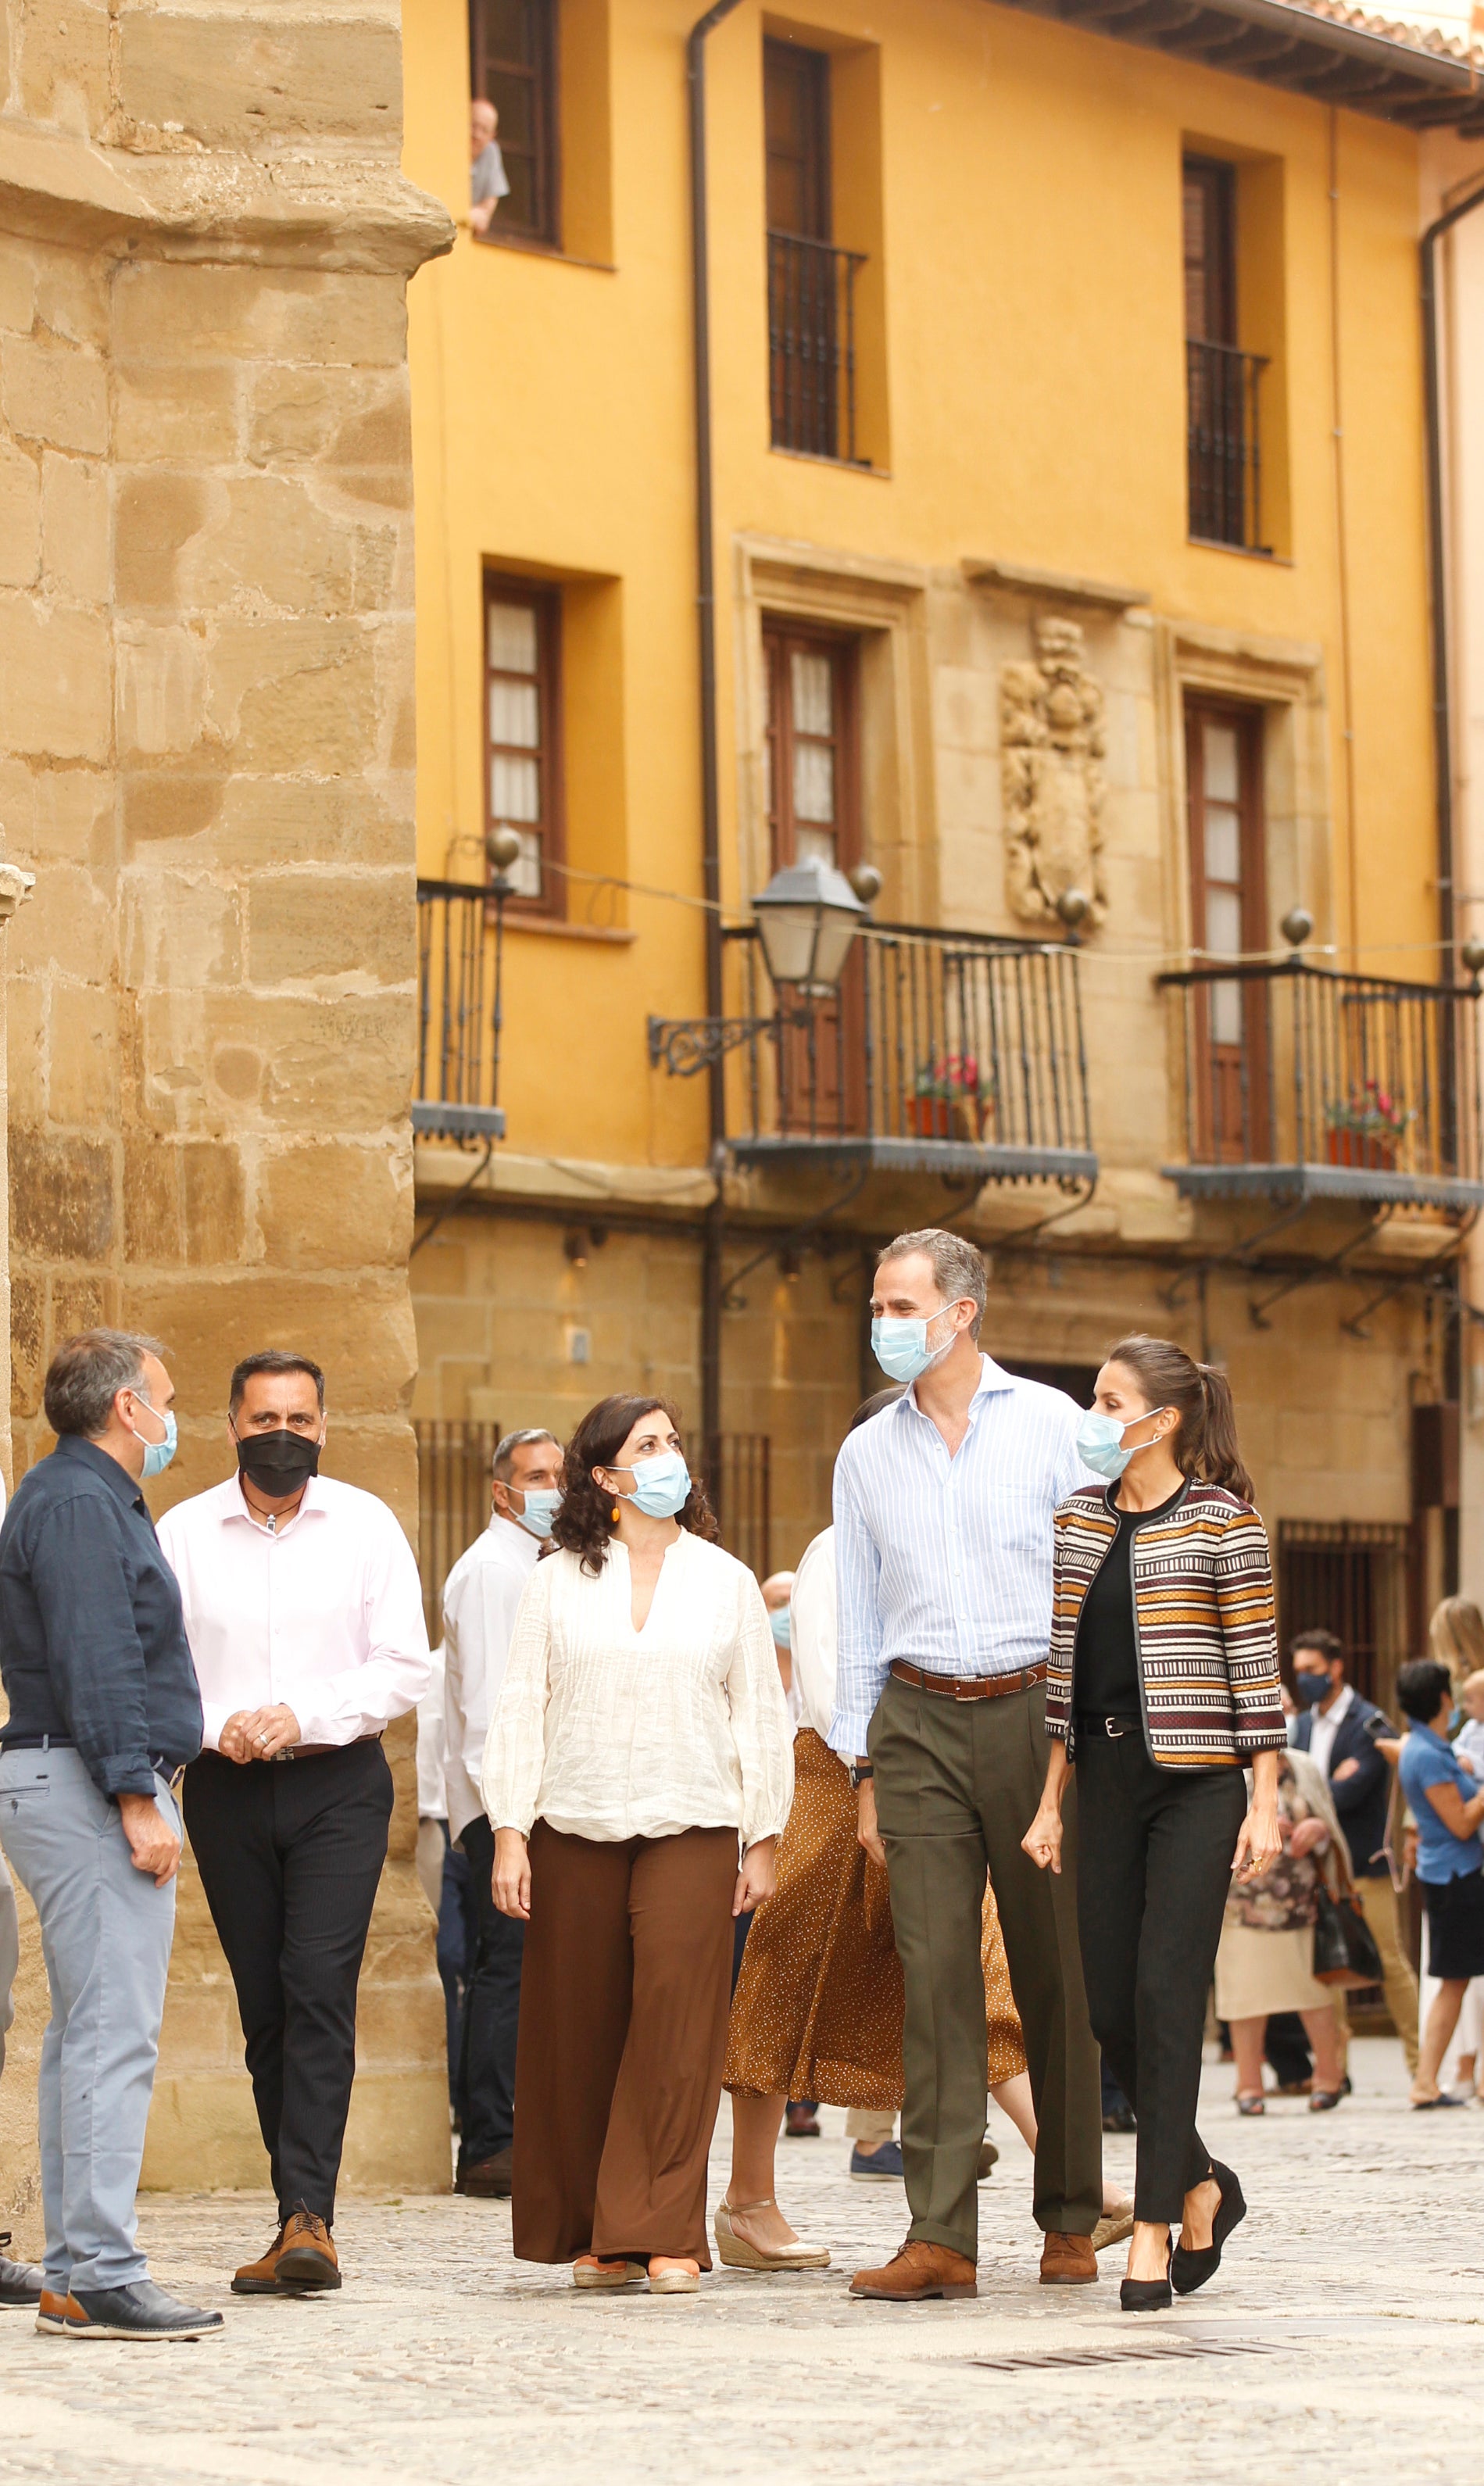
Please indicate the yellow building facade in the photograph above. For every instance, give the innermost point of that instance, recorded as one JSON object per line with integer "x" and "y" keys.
{"x": 1068, "y": 443}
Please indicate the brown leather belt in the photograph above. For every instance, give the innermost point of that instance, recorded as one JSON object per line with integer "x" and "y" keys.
{"x": 312, "y": 1752}
{"x": 968, "y": 1686}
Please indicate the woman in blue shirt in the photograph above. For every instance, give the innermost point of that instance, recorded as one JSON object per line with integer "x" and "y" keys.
{"x": 1447, "y": 1805}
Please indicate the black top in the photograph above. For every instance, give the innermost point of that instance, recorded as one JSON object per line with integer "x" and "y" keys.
{"x": 1105, "y": 1661}
{"x": 93, "y": 1646}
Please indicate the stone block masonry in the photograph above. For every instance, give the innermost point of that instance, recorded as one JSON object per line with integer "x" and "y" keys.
{"x": 205, "y": 759}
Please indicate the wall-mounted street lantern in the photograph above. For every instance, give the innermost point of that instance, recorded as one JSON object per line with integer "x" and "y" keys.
{"x": 807, "y": 919}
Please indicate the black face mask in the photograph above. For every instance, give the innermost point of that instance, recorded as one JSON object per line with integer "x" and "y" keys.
{"x": 279, "y": 1462}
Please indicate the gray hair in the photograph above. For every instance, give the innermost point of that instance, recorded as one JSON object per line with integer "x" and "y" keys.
{"x": 958, "y": 1266}
{"x": 502, "y": 1466}
{"x": 87, "y": 1373}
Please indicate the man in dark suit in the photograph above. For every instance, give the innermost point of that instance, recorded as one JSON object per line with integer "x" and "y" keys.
{"x": 1336, "y": 1728}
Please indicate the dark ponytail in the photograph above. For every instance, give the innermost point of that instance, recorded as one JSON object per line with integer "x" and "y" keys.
{"x": 1206, "y": 1447}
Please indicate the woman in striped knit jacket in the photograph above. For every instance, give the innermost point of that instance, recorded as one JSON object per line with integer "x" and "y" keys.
{"x": 1162, "y": 1685}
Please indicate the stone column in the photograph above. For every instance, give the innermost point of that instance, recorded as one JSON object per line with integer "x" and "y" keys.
{"x": 206, "y": 722}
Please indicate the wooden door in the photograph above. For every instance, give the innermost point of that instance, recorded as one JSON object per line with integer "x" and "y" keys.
{"x": 813, "y": 813}
{"x": 1229, "y": 917}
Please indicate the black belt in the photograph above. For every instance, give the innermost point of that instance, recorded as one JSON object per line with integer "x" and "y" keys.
{"x": 158, "y": 1761}
{"x": 1112, "y": 1728}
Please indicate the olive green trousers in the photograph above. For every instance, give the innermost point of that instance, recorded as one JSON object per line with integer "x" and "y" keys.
{"x": 958, "y": 1783}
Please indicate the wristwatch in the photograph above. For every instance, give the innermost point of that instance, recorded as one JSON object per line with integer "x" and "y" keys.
{"x": 860, "y": 1770}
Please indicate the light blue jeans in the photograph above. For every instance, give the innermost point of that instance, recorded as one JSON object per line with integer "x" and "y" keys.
{"x": 105, "y": 1935}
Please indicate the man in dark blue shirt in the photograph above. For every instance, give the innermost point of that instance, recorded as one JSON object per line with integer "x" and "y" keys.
{"x": 103, "y": 1712}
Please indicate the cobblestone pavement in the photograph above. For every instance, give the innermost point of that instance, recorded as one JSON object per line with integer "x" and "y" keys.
{"x": 1347, "y": 2326}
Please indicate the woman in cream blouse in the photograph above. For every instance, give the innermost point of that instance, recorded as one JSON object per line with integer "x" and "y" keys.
{"x": 640, "y": 1741}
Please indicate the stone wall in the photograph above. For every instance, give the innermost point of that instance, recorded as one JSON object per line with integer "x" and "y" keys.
{"x": 206, "y": 757}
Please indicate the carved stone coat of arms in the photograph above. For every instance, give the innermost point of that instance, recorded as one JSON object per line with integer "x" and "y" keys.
{"x": 1053, "y": 744}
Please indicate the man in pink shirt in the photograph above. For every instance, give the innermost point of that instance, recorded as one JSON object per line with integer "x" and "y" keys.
{"x": 304, "y": 1614}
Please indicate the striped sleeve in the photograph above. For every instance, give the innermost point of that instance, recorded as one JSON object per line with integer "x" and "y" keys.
{"x": 1245, "y": 1603}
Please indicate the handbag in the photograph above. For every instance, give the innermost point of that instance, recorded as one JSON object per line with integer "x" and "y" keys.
{"x": 1345, "y": 1952}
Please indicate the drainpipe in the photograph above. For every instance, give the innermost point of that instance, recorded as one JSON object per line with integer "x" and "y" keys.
{"x": 710, "y": 781}
{"x": 1442, "y": 729}
{"x": 1443, "y": 722}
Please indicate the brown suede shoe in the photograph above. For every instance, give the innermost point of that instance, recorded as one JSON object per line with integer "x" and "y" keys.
{"x": 919, "y": 2271}
{"x": 260, "y": 2278}
{"x": 307, "y": 2257}
{"x": 488, "y": 2179}
{"x": 1068, "y": 2261}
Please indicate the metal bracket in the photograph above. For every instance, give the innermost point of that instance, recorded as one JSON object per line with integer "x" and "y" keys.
{"x": 687, "y": 1045}
{"x": 1422, "y": 1277}
{"x": 1258, "y": 1312}
{"x": 732, "y": 1301}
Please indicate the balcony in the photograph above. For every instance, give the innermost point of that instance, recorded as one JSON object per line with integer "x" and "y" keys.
{"x": 1303, "y": 1084}
{"x": 951, "y": 1053}
{"x": 457, "y": 1094}
{"x": 811, "y": 346}
{"x": 1223, "y": 445}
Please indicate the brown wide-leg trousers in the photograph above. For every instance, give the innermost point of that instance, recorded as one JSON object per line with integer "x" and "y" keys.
{"x": 623, "y": 2001}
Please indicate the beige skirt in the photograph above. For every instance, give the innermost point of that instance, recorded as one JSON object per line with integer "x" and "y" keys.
{"x": 1257, "y": 1972}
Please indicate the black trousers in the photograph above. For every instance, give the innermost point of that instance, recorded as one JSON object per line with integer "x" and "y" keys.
{"x": 290, "y": 1854}
{"x": 1153, "y": 1869}
{"x": 491, "y": 2012}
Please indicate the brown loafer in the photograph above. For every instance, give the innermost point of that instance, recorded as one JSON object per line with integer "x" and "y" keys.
{"x": 260, "y": 2278}
{"x": 917, "y": 2272}
{"x": 307, "y": 2257}
{"x": 488, "y": 2179}
{"x": 1068, "y": 2261}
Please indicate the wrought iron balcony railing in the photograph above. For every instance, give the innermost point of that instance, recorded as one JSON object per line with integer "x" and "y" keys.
{"x": 811, "y": 352}
{"x": 460, "y": 930}
{"x": 1302, "y": 1083}
{"x": 1223, "y": 443}
{"x": 956, "y": 1053}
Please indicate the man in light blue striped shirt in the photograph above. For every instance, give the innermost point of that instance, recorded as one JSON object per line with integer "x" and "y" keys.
{"x": 942, "y": 1531}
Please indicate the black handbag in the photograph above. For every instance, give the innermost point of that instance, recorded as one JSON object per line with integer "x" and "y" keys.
{"x": 1345, "y": 1952}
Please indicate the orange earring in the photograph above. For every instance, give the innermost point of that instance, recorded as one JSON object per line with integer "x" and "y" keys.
{"x": 616, "y": 1514}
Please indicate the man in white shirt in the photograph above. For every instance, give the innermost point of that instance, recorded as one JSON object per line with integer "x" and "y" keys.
{"x": 479, "y": 1599}
{"x": 943, "y": 1540}
{"x": 304, "y": 1614}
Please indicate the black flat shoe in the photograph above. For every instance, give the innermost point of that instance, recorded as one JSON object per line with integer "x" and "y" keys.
{"x": 1190, "y": 2270}
{"x": 1146, "y": 2294}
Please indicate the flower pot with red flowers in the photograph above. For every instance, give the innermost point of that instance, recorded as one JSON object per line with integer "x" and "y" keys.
{"x": 1367, "y": 1128}
{"x": 951, "y": 1099}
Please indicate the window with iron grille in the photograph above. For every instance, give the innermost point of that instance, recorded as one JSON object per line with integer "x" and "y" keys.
{"x": 1224, "y": 447}
{"x": 513, "y": 56}
{"x": 1347, "y": 1576}
{"x": 523, "y": 773}
{"x": 811, "y": 283}
{"x": 453, "y": 1463}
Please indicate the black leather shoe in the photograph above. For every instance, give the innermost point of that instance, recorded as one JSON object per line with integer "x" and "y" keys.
{"x": 139, "y": 2312}
{"x": 1146, "y": 2294}
{"x": 1192, "y": 2270}
{"x": 20, "y": 2281}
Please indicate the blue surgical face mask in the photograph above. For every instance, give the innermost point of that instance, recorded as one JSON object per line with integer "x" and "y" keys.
{"x": 158, "y": 1454}
{"x": 900, "y": 1346}
{"x": 1309, "y": 1688}
{"x": 1455, "y": 1719}
{"x": 1100, "y": 1442}
{"x": 778, "y": 1623}
{"x": 542, "y": 1504}
{"x": 662, "y": 1485}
